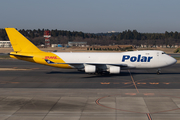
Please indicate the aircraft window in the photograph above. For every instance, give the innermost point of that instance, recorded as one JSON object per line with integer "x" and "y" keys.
{"x": 163, "y": 53}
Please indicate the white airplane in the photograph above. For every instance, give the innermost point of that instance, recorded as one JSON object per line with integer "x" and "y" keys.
{"x": 88, "y": 62}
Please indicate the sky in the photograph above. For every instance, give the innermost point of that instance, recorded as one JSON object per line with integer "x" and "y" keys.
{"x": 92, "y": 16}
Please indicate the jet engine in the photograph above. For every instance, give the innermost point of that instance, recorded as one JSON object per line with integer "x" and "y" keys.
{"x": 90, "y": 69}
{"x": 114, "y": 70}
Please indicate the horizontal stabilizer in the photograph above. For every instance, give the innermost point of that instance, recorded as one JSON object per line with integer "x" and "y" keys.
{"x": 21, "y": 56}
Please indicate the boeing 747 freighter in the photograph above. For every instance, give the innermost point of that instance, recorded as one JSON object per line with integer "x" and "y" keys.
{"x": 88, "y": 62}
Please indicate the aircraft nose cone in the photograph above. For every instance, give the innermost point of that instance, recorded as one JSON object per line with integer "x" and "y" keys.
{"x": 170, "y": 60}
{"x": 174, "y": 61}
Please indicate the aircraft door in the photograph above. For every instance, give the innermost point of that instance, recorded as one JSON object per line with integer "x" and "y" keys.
{"x": 158, "y": 54}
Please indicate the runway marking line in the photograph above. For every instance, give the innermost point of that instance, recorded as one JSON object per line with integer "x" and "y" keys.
{"x": 149, "y": 116}
{"x": 147, "y": 94}
{"x": 8, "y": 69}
{"x": 166, "y": 83}
{"x": 97, "y": 102}
{"x": 141, "y": 83}
{"x": 154, "y": 83}
{"x": 130, "y": 94}
{"x": 127, "y": 83}
{"x": 133, "y": 82}
{"x": 106, "y": 83}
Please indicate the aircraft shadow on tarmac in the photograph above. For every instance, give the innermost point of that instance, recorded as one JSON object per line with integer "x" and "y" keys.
{"x": 104, "y": 74}
{"x": 134, "y": 73}
{"x": 127, "y": 74}
{"x": 58, "y": 72}
{"x": 153, "y": 73}
{"x": 111, "y": 75}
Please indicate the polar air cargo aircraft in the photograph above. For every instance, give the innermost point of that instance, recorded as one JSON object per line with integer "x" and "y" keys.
{"x": 88, "y": 62}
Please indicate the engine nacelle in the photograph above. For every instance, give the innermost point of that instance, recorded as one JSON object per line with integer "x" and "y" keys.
{"x": 114, "y": 70}
{"x": 90, "y": 69}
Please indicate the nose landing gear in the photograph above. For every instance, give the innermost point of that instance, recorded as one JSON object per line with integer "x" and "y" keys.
{"x": 158, "y": 71}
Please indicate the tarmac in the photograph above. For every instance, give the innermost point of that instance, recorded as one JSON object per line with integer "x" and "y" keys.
{"x": 32, "y": 91}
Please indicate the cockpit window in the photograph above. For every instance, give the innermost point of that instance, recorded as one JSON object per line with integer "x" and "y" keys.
{"x": 163, "y": 53}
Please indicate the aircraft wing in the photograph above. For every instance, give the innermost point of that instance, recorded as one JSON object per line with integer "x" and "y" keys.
{"x": 121, "y": 65}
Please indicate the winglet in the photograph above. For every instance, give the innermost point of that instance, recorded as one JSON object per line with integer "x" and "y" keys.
{"x": 19, "y": 42}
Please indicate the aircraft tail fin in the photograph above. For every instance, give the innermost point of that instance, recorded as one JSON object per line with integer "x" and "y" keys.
{"x": 19, "y": 42}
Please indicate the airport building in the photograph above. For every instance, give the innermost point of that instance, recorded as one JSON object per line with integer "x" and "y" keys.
{"x": 80, "y": 44}
{"x": 5, "y": 44}
{"x": 56, "y": 45}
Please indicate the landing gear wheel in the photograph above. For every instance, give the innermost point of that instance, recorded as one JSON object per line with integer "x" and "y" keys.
{"x": 158, "y": 71}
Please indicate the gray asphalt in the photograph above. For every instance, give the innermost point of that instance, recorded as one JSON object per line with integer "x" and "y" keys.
{"x": 40, "y": 76}
{"x": 38, "y": 92}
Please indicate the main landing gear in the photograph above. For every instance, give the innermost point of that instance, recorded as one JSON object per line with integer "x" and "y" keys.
{"x": 158, "y": 71}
